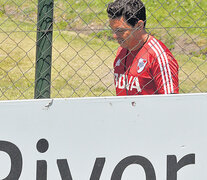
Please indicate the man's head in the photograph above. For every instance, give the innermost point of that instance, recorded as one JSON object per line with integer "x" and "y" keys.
{"x": 127, "y": 19}
{"x": 131, "y": 10}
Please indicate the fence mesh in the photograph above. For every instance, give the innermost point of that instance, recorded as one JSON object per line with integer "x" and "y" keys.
{"x": 83, "y": 49}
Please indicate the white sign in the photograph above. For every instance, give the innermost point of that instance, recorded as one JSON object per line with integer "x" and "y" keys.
{"x": 113, "y": 138}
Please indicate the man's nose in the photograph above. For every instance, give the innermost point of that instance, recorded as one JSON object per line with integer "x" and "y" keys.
{"x": 115, "y": 36}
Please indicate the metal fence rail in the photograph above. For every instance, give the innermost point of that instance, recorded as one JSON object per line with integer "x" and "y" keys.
{"x": 83, "y": 49}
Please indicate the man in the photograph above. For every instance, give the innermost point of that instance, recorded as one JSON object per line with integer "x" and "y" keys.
{"x": 143, "y": 64}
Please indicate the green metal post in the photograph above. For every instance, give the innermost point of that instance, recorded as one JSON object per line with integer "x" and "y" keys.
{"x": 44, "y": 49}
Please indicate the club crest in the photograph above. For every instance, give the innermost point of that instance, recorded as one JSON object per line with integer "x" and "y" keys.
{"x": 141, "y": 65}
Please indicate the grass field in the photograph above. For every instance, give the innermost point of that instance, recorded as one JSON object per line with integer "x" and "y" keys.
{"x": 83, "y": 50}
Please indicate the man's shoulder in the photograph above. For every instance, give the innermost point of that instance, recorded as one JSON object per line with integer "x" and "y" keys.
{"x": 121, "y": 53}
{"x": 157, "y": 47}
{"x": 121, "y": 50}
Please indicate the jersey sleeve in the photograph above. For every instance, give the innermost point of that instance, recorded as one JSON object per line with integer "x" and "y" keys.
{"x": 164, "y": 71}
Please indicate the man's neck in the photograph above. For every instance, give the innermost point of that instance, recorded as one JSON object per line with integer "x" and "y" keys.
{"x": 140, "y": 43}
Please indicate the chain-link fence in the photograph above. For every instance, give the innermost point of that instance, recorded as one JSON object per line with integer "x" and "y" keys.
{"x": 83, "y": 49}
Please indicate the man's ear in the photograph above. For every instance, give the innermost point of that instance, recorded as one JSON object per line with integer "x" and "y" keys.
{"x": 139, "y": 25}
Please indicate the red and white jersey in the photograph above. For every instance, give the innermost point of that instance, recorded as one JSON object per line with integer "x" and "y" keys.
{"x": 151, "y": 70}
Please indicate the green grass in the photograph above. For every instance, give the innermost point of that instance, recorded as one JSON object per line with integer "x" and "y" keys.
{"x": 83, "y": 48}
{"x": 192, "y": 74}
{"x": 83, "y": 66}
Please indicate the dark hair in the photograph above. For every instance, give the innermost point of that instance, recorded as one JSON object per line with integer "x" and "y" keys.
{"x": 131, "y": 10}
